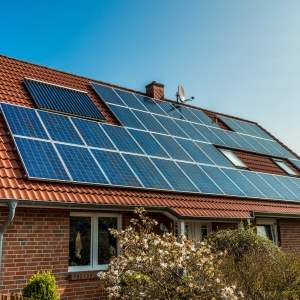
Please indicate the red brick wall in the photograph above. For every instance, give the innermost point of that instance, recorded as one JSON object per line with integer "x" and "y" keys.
{"x": 289, "y": 233}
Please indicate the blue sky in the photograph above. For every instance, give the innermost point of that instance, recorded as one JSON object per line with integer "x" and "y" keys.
{"x": 237, "y": 57}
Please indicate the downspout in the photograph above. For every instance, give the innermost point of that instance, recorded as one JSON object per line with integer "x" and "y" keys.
{"x": 12, "y": 204}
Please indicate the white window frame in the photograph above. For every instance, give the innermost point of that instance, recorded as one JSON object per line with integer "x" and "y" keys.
{"x": 286, "y": 168}
{"x": 240, "y": 164}
{"x": 191, "y": 227}
{"x": 272, "y": 223}
{"x": 94, "y": 240}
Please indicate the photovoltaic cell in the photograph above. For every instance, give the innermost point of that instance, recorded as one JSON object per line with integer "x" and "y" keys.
{"x": 147, "y": 172}
{"x": 60, "y": 128}
{"x": 282, "y": 190}
{"x": 63, "y": 99}
{"x": 287, "y": 182}
{"x": 148, "y": 143}
{"x": 268, "y": 145}
{"x": 151, "y": 105}
{"x": 93, "y": 134}
{"x": 183, "y": 110}
{"x": 194, "y": 151}
{"x": 81, "y": 164}
{"x": 122, "y": 139}
{"x": 209, "y": 135}
{"x": 23, "y": 121}
{"x": 285, "y": 152}
{"x": 232, "y": 124}
{"x": 130, "y": 100}
{"x": 296, "y": 163}
{"x": 172, "y": 147}
{"x": 243, "y": 183}
{"x": 222, "y": 181}
{"x": 259, "y": 131}
{"x": 222, "y": 135}
{"x": 215, "y": 155}
{"x": 200, "y": 179}
{"x": 190, "y": 130}
{"x": 40, "y": 159}
{"x": 259, "y": 148}
{"x": 107, "y": 94}
{"x": 203, "y": 117}
{"x": 126, "y": 117}
{"x": 242, "y": 142}
{"x": 170, "y": 126}
{"x": 246, "y": 128}
{"x": 174, "y": 175}
{"x": 115, "y": 168}
{"x": 170, "y": 110}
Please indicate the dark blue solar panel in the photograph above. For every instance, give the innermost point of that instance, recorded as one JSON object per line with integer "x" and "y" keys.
{"x": 150, "y": 104}
{"x": 60, "y": 128}
{"x": 203, "y": 117}
{"x": 268, "y": 145}
{"x": 174, "y": 175}
{"x": 81, "y": 164}
{"x": 148, "y": 143}
{"x": 172, "y": 147}
{"x": 23, "y": 121}
{"x": 107, "y": 94}
{"x": 122, "y": 139}
{"x": 149, "y": 121}
{"x": 296, "y": 181}
{"x": 232, "y": 124}
{"x": 170, "y": 110}
{"x": 209, "y": 135}
{"x": 170, "y": 126}
{"x": 126, "y": 117}
{"x": 295, "y": 163}
{"x": 243, "y": 183}
{"x": 282, "y": 190}
{"x": 287, "y": 182}
{"x": 222, "y": 181}
{"x": 266, "y": 189}
{"x": 92, "y": 133}
{"x": 147, "y": 172}
{"x": 190, "y": 130}
{"x": 41, "y": 160}
{"x": 200, "y": 179}
{"x": 185, "y": 111}
{"x": 259, "y": 131}
{"x": 63, "y": 99}
{"x": 214, "y": 154}
{"x": 285, "y": 152}
{"x": 222, "y": 134}
{"x": 115, "y": 168}
{"x": 246, "y": 128}
{"x": 130, "y": 100}
{"x": 242, "y": 142}
{"x": 259, "y": 148}
{"x": 194, "y": 151}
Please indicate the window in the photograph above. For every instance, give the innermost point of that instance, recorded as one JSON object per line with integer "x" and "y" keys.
{"x": 196, "y": 230}
{"x": 233, "y": 158}
{"x": 90, "y": 244}
{"x": 267, "y": 228}
{"x": 282, "y": 165}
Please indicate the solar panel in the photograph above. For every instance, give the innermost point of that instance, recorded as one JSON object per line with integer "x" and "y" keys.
{"x": 285, "y": 152}
{"x": 23, "y": 121}
{"x": 296, "y": 163}
{"x": 149, "y": 122}
{"x": 170, "y": 126}
{"x": 115, "y": 168}
{"x": 241, "y": 181}
{"x": 215, "y": 155}
{"x": 246, "y": 128}
{"x": 81, "y": 164}
{"x": 254, "y": 143}
{"x": 130, "y": 100}
{"x": 147, "y": 172}
{"x": 40, "y": 160}
{"x": 288, "y": 183}
{"x": 183, "y": 110}
{"x": 60, "y": 128}
{"x": 200, "y": 179}
{"x": 107, "y": 94}
{"x": 172, "y": 147}
{"x": 209, "y": 135}
{"x": 190, "y": 130}
{"x": 241, "y": 141}
{"x": 203, "y": 117}
{"x": 170, "y": 110}
{"x": 151, "y": 105}
{"x": 259, "y": 131}
{"x": 232, "y": 124}
{"x": 281, "y": 189}
{"x": 93, "y": 134}
{"x": 148, "y": 143}
{"x": 126, "y": 116}
{"x": 122, "y": 139}
{"x": 226, "y": 185}
{"x": 63, "y": 99}
{"x": 222, "y": 135}
{"x": 174, "y": 175}
{"x": 194, "y": 151}
{"x": 268, "y": 145}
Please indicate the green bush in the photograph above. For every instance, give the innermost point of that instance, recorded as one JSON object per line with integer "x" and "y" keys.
{"x": 41, "y": 286}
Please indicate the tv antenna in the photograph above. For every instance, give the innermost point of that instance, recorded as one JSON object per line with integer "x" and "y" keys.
{"x": 180, "y": 95}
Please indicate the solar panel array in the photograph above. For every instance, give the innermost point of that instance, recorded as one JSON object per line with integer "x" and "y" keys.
{"x": 157, "y": 116}
{"x": 64, "y": 148}
{"x": 62, "y": 99}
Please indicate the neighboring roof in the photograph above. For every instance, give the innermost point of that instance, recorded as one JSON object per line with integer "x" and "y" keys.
{"x": 13, "y": 185}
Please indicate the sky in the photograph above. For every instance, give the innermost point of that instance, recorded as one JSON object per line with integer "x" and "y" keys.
{"x": 237, "y": 57}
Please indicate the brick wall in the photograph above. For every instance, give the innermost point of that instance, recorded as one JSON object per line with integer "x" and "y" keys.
{"x": 289, "y": 233}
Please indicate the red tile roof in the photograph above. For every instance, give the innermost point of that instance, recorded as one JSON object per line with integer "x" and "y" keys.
{"x": 13, "y": 184}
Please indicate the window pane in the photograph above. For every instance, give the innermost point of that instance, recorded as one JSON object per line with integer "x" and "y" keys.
{"x": 285, "y": 167}
{"x": 265, "y": 231}
{"x": 233, "y": 158}
{"x": 107, "y": 244}
{"x": 80, "y": 241}
{"x": 204, "y": 231}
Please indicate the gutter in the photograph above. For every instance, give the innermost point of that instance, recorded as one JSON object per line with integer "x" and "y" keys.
{"x": 12, "y": 204}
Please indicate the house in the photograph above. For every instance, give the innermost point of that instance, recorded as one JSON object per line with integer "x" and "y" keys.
{"x": 77, "y": 155}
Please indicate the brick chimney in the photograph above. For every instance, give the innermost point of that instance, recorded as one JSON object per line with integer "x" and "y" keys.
{"x": 155, "y": 90}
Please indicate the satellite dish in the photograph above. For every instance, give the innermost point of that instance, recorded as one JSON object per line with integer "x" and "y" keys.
{"x": 181, "y": 96}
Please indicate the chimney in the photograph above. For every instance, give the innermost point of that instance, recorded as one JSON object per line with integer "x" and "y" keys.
{"x": 155, "y": 90}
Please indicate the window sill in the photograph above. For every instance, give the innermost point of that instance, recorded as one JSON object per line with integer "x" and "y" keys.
{"x": 86, "y": 275}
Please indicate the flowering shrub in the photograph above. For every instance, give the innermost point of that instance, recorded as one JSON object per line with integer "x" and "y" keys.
{"x": 151, "y": 266}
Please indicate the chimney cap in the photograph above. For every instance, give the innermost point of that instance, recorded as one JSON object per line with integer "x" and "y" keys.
{"x": 154, "y": 83}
